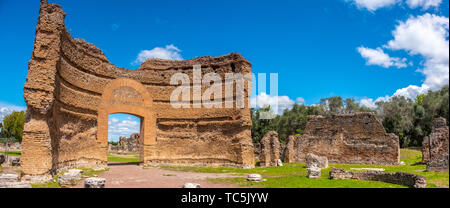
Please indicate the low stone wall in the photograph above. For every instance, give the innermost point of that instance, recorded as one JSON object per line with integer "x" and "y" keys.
{"x": 401, "y": 178}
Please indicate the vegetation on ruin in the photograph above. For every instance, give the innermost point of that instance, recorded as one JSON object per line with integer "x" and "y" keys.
{"x": 411, "y": 120}
{"x": 293, "y": 175}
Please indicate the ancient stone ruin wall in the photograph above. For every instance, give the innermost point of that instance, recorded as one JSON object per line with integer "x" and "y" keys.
{"x": 346, "y": 138}
{"x": 435, "y": 147}
{"x": 71, "y": 88}
{"x": 270, "y": 149}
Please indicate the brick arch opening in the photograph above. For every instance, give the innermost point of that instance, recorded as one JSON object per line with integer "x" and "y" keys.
{"x": 140, "y": 107}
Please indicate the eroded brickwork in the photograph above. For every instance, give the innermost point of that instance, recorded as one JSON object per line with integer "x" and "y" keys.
{"x": 270, "y": 149}
{"x": 435, "y": 147}
{"x": 347, "y": 138}
{"x": 71, "y": 89}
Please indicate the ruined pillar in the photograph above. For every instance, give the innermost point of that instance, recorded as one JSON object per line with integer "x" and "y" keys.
{"x": 270, "y": 149}
{"x": 39, "y": 91}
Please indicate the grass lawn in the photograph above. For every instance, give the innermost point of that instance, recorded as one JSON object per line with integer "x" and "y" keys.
{"x": 11, "y": 153}
{"x": 124, "y": 158}
{"x": 293, "y": 175}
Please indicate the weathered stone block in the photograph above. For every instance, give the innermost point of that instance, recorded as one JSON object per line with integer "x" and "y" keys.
{"x": 279, "y": 163}
{"x": 15, "y": 185}
{"x": 14, "y": 160}
{"x": 71, "y": 177}
{"x": 254, "y": 177}
{"x": 319, "y": 161}
{"x": 94, "y": 182}
{"x": 314, "y": 171}
{"x": 9, "y": 178}
{"x": 340, "y": 173}
{"x": 37, "y": 179}
{"x": 191, "y": 185}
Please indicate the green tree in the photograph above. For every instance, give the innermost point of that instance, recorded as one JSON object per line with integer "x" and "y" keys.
{"x": 334, "y": 105}
{"x": 293, "y": 121}
{"x": 261, "y": 126}
{"x": 397, "y": 117}
{"x": 13, "y": 125}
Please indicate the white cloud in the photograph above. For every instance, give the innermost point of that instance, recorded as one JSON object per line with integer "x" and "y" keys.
{"x": 119, "y": 127}
{"x": 425, "y": 4}
{"x": 300, "y": 100}
{"x": 367, "y": 102}
{"x": 170, "y": 52}
{"x": 427, "y": 36}
{"x": 378, "y": 57}
{"x": 276, "y": 102}
{"x": 373, "y": 5}
{"x": 6, "y": 109}
{"x": 412, "y": 91}
{"x": 370, "y": 103}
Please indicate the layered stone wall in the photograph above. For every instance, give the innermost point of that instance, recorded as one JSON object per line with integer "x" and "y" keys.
{"x": 71, "y": 89}
{"x": 435, "y": 147}
{"x": 346, "y": 138}
{"x": 270, "y": 149}
{"x": 401, "y": 178}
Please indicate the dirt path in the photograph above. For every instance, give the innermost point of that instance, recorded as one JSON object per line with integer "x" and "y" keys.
{"x": 128, "y": 175}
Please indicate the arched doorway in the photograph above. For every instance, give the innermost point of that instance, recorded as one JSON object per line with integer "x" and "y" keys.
{"x": 130, "y": 97}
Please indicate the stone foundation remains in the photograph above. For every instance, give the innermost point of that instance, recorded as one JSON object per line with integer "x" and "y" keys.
{"x": 401, "y": 178}
{"x": 358, "y": 138}
{"x": 71, "y": 88}
{"x": 435, "y": 147}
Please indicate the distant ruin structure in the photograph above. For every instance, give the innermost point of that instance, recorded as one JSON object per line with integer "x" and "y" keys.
{"x": 71, "y": 88}
{"x": 126, "y": 145}
{"x": 435, "y": 147}
{"x": 358, "y": 138}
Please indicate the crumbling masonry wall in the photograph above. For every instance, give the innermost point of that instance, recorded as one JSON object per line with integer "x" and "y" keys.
{"x": 270, "y": 149}
{"x": 435, "y": 147}
{"x": 346, "y": 138}
{"x": 71, "y": 88}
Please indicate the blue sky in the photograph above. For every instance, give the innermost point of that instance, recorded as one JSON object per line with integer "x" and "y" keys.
{"x": 122, "y": 125}
{"x": 365, "y": 49}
